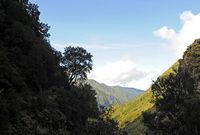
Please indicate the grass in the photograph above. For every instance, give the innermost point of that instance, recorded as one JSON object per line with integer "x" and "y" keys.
{"x": 129, "y": 111}
{"x": 129, "y": 114}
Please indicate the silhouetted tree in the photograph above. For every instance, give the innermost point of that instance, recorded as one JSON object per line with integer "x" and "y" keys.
{"x": 77, "y": 62}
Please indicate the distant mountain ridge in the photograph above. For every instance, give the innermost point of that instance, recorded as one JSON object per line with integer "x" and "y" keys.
{"x": 110, "y": 95}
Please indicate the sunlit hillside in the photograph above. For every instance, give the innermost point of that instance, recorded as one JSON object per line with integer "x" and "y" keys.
{"x": 129, "y": 114}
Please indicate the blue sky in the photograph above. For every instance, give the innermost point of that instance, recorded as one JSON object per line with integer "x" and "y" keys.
{"x": 132, "y": 41}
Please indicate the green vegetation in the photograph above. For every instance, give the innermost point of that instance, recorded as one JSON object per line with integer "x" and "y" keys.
{"x": 76, "y": 63}
{"x": 42, "y": 92}
{"x": 129, "y": 111}
{"x": 171, "y": 96}
{"x": 110, "y": 95}
{"x": 171, "y": 70}
{"x": 136, "y": 127}
{"x": 177, "y": 98}
{"x": 129, "y": 114}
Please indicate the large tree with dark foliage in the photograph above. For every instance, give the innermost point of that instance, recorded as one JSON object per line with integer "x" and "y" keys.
{"x": 177, "y": 98}
{"x": 33, "y": 96}
{"x": 76, "y": 62}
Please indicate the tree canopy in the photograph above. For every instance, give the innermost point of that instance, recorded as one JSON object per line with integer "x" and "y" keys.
{"x": 76, "y": 62}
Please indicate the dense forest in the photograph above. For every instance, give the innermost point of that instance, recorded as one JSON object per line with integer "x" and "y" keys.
{"x": 42, "y": 91}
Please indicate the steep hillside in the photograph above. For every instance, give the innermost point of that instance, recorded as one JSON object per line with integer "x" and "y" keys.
{"x": 38, "y": 95}
{"x": 129, "y": 114}
{"x": 108, "y": 95}
{"x": 129, "y": 111}
{"x": 177, "y": 98}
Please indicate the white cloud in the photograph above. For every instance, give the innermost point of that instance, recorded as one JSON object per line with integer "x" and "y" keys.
{"x": 143, "y": 83}
{"x": 123, "y": 72}
{"x": 165, "y": 33}
{"x": 179, "y": 40}
{"x": 186, "y": 16}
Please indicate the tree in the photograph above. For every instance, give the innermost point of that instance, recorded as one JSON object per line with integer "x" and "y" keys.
{"x": 173, "y": 96}
{"x": 191, "y": 58}
{"x": 76, "y": 62}
{"x": 104, "y": 125}
{"x": 33, "y": 100}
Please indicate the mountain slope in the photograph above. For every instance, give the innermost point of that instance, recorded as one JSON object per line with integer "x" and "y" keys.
{"x": 128, "y": 115}
{"x": 131, "y": 110}
{"x": 184, "y": 82}
{"x": 109, "y": 95}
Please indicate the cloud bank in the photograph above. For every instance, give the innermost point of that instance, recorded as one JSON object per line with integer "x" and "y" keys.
{"x": 179, "y": 40}
{"x": 122, "y": 72}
